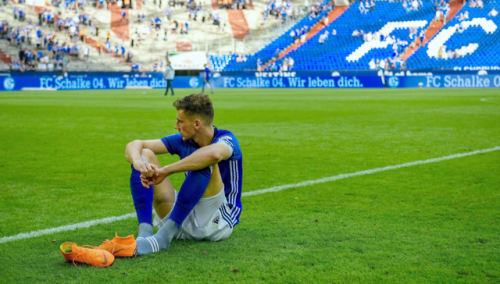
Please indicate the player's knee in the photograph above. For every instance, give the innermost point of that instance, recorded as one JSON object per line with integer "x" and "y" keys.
{"x": 149, "y": 155}
{"x": 159, "y": 198}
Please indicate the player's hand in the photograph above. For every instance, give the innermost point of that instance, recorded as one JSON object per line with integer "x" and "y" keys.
{"x": 159, "y": 175}
{"x": 146, "y": 169}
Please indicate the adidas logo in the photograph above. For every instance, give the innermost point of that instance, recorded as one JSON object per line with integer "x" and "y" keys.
{"x": 216, "y": 220}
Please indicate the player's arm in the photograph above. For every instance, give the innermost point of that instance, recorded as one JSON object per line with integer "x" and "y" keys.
{"x": 198, "y": 160}
{"x": 134, "y": 149}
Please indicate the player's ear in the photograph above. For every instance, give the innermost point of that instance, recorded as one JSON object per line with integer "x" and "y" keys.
{"x": 197, "y": 123}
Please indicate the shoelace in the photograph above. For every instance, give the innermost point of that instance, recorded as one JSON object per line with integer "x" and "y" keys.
{"x": 82, "y": 252}
{"x": 106, "y": 242}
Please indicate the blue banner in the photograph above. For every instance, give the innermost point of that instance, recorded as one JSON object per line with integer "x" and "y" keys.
{"x": 299, "y": 79}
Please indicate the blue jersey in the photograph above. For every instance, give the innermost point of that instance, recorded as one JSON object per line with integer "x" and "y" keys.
{"x": 207, "y": 73}
{"x": 231, "y": 170}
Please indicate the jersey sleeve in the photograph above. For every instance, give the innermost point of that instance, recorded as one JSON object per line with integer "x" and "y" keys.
{"x": 230, "y": 140}
{"x": 174, "y": 143}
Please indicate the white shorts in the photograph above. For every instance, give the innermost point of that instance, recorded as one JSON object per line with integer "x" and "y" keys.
{"x": 207, "y": 221}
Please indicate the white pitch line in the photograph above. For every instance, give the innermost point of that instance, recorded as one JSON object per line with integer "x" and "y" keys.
{"x": 251, "y": 193}
{"x": 367, "y": 172}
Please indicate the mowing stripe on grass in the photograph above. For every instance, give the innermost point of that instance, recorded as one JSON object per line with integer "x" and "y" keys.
{"x": 256, "y": 192}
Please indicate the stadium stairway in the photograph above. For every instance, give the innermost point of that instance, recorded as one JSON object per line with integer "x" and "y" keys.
{"x": 238, "y": 23}
{"x": 237, "y": 20}
{"x": 433, "y": 29}
{"x": 119, "y": 25}
{"x": 332, "y": 16}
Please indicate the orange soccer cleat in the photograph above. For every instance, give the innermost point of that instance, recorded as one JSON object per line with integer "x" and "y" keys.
{"x": 120, "y": 246}
{"x": 94, "y": 257}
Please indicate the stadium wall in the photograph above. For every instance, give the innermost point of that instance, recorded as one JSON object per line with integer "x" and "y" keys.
{"x": 293, "y": 79}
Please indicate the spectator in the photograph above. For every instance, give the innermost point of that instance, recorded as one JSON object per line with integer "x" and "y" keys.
{"x": 449, "y": 54}
{"x": 372, "y": 65}
{"x": 86, "y": 53}
{"x": 321, "y": 39}
{"x": 441, "y": 52}
{"x": 362, "y": 7}
{"x": 98, "y": 45}
{"x": 493, "y": 13}
{"x": 438, "y": 15}
{"x": 355, "y": 33}
{"x": 124, "y": 15}
{"x": 372, "y": 6}
{"x": 285, "y": 65}
{"x": 422, "y": 36}
{"x": 446, "y": 11}
{"x": 414, "y": 5}
{"x": 83, "y": 33}
{"x": 480, "y": 4}
{"x": 405, "y": 6}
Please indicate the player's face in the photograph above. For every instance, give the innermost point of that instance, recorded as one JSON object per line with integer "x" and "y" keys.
{"x": 185, "y": 125}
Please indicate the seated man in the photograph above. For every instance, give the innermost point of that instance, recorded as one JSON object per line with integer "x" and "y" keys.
{"x": 208, "y": 204}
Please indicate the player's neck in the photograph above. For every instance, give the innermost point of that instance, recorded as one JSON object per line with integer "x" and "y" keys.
{"x": 204, "y": 136}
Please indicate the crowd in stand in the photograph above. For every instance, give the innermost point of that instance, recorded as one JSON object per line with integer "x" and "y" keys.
{"x": 367, "y": 6}
{"x": 75, "y": 29}
{"x": 412, "y": 5}
{"x": 48, "y": 47}
{"x": 233, "y": 4}
{"x": 398, "y": 46}
{"x": 442, "y": 11}
{"x": 287, "y": 65}
{"x": 283, "y": 11}
{"x": 387, "y": 63}
{"x": 80, "y": 4}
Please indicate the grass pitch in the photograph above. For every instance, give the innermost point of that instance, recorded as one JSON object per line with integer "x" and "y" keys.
{"x": 62, "y": 162}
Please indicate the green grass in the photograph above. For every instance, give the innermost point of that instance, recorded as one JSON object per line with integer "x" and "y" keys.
{"x": 62, "y": 162}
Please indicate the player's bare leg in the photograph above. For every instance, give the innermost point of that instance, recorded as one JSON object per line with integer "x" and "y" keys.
{"x": 163, "y": 193}
{"x": 162, "y": 239}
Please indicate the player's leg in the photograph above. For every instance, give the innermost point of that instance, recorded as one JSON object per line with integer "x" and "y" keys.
{"x": 161, "y": 196}
{"x": 210, "y": 219}
{"x": 198, "y": 184}
{"x": 171, "y": 87}
{"x": 163, "y": 193}
{"x": 203, "y": 87}
{"x": 211, "y": 86}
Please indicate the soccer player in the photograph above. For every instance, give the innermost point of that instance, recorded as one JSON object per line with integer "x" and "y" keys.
{"x": 206, "y": 79}
{"x": 169, "y": 76}
{"x": 208, "y": 204}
